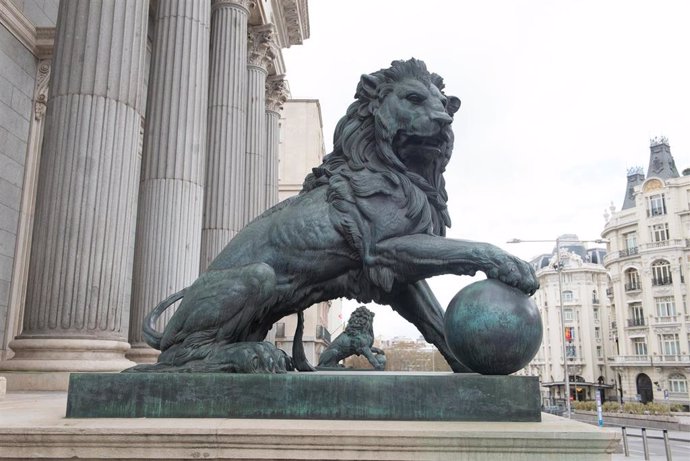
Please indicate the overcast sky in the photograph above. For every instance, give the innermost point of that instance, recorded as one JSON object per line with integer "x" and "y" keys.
{"x": 559, "y": 99}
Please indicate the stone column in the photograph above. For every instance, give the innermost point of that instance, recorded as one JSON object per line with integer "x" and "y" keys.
{"x": 276, "y": 95}
{"x": 261, "y": 54}
{"x": 80, "y": 272}
{"x": 168, "y": 241}
{"x": 227, "y": 121}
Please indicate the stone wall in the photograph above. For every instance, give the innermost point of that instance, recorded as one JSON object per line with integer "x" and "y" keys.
{"x": 17, "y": 76}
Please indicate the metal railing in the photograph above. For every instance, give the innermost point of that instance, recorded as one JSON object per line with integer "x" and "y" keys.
{"x": 636, "y": 322}
{"x": 645, "y": 444}
{"x": 633, "y": 286}
{"x": 668, "y": 280}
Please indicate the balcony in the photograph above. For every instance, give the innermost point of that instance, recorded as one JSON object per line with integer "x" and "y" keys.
{"x": 664, "y": 244}
{"x": 667, "y": 319}
{"x": 636, "y": 322}
{"x": 672, "y": 359}
{"x": 660, "y": 281}
{"x": 636, "y": 286}
{"x": 630, "y": 360}
{"x": 626, "y": 253}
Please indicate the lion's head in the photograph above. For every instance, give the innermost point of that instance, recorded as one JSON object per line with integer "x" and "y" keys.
{"x": 400, "y": 122}
{"x": 361, "y": 320}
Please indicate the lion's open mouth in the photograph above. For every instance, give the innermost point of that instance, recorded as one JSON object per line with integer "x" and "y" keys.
{"x": 412, "y": 146}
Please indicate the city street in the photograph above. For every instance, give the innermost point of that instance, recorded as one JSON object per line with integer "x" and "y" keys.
{"x": 680, "y": 448}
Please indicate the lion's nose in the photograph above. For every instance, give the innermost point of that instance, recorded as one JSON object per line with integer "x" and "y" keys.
{"x": 442, "y": 118}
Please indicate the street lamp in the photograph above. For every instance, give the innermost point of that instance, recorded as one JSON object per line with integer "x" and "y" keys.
{"x": 559, "y": 268}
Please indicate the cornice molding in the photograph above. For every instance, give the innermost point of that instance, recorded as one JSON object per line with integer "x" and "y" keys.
{"x": 38, "y": 40}
{"x": 296, "y": 20}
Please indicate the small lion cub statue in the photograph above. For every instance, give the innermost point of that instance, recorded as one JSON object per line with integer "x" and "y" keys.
{"x": 357, "y": 339}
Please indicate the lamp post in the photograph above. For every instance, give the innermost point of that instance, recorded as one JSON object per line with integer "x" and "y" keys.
{"x": 559, "y": 269}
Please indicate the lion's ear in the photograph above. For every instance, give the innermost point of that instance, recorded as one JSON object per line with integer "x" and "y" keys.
{"x": 367, "y": 86}
{"x": 452, "y": 105}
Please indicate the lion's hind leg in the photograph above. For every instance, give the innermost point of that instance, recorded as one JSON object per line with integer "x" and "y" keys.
{"x": 221, "y": 307}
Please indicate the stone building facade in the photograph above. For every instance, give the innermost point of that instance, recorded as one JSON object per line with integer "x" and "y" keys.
{"x": 581, "y": 276}
{"x": 648, "y": 259}
{"x": 136, "y": 139}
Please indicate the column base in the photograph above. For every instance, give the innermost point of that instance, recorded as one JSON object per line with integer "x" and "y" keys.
{"x": 141, "y": 353}
{"x": 45, "y": 364}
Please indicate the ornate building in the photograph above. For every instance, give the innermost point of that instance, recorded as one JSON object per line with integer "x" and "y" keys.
{"x": 136, "y": 139}
{"x": 579, "y": 273}
{"x": 648, "y": 259}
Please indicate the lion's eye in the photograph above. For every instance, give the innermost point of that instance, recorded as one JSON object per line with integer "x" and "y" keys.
{"x": 415, "y": 98}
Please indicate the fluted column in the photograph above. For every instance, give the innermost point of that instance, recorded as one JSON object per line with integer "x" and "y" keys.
{"x": 168, "y": 242}
{"x": 227, "y": 121}
{"x": 80, "y": 273}
{"x": 276, "y": 95}
{"x": 261, "y": 54}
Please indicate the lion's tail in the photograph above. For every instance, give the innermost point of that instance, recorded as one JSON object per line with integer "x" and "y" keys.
{"x": 151, "y": 335}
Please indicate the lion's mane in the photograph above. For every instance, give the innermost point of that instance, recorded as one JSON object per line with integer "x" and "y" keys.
{"x": 361, "y": 320}
{"x": 363, "y": 163}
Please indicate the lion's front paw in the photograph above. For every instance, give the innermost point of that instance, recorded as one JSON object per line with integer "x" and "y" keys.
{"x": 515, "y": 272}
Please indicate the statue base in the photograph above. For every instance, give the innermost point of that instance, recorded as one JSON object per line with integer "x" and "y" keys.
{"x": 321, "y": 395}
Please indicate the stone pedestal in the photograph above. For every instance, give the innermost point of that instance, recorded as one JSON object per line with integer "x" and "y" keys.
{"x": 80, "y": 272}
{"x": 336, "y": 395}
{"x": 33, "y": 426}
{"x": 224, "y": 199}
{"x": 168, "y": 242}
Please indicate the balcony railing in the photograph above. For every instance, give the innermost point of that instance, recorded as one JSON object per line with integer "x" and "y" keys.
{"x": 638, "y": 322}
{"x": 636, "y": 286}
{"x": 631, "y": 359}
{"x": 667, "y": 319}
{"x": 668, "y": 280}
{"x": 663, "y": 244}
{"x": 678, "y": 358}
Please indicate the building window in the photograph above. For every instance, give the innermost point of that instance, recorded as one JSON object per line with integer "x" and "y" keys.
{"x": 656, "y": 205}
{"x": 568, "y": 315}
{"x": 660, "y": 233}
{"x": 571, "y": 351}
{"x": 670, "y": 345}
{"x": 567, "y": 296}
{"x": 639, "y": 346}
{"x": 630, "y": 244}
{"x": 632, "y": 280}
{"x": 597, "y": 333}
{"x": 665, "y": 307}
{"x": 636, "y": 315}
{"x": 600, "y": 352}
{"x": 595, "y": 313}
{"x": 678, "y": 384}
{"x": 661, "y": 273}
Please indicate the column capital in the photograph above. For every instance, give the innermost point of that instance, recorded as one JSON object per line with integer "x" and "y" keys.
{"x": 262, "y": 45}
{"x": 276, "y": 93}
{"x": 246, "y": 5}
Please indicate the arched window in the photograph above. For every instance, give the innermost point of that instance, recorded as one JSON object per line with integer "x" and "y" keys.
{"x": 678, "y": 384}
{"x": 567, "y": 296}
{"x": 632, "y": 280}
{"x": 661, "y": 272}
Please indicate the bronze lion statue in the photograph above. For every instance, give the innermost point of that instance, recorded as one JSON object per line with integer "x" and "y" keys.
{"x": 357, "y": 339}
{"x": 369, "y": 224}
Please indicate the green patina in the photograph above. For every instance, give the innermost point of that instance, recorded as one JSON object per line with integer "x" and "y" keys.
{"x": 351, "y": 396}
